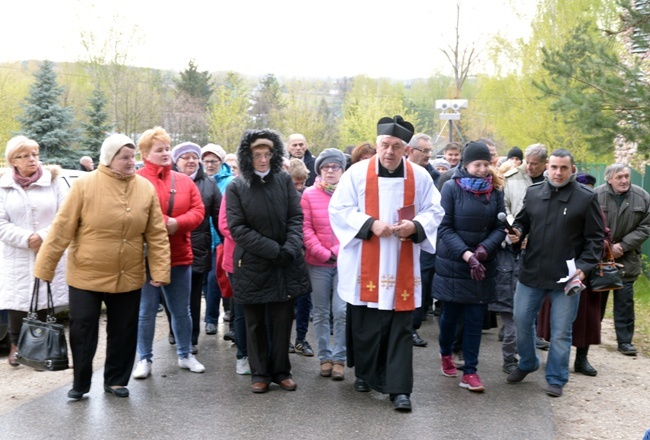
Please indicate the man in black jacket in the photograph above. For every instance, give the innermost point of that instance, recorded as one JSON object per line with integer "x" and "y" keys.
{"x": 297, "y": 147}
{"x": 562, "y": 221}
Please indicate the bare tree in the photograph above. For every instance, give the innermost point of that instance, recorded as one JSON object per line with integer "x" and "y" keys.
{"x": 461, "y": 59}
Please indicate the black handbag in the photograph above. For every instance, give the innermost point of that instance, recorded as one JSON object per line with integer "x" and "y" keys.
{"x": 42, "y": 345}
{"x": 606, "y": 276}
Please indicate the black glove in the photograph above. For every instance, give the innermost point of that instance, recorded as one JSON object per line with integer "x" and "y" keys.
{"x": 481, "y": 253}
{"x": 284, "y": 258}
{"x": 477, "y": 270}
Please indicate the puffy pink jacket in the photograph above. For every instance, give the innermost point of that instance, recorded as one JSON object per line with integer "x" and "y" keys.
{"x": 320, "y": 241}
{"x": 228, "y": 242}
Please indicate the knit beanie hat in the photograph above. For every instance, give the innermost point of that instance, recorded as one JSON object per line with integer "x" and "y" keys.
{"x": 112, "y": 145}
{"x": 516, "y": 152}
{"x": 185, "y": 147}
{"x": 330, "y": 155}
{"x": 441, "y": 163}
{"x": 215, "y": 149}
{"x": 476, "y": 151}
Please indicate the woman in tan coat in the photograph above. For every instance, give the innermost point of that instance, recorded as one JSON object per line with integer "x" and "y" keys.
{"x": 107, "y": 218}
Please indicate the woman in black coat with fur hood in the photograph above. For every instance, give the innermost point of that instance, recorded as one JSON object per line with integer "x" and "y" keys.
{"x": 265, "y": 220}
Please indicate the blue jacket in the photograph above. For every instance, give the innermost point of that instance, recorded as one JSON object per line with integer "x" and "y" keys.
{"x": 223, "y": 178}
{"x": 469, "y": 220}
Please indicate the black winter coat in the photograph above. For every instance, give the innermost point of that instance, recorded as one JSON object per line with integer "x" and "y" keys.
{"x": 561, "y": 224}
{"x": 469, "y": 220}
{"x": 202, "y": 235}
{"x": 265, "y": 217}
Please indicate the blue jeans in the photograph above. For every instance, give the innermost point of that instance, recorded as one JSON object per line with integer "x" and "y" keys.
{"x": 177, "y": 299}
{"x": 212, "y": 294}
{"x": 472, "y": 315}
{"x": 324, "y": 281}
{"x": 527, "y": 302}
{"x": 303, "y": 308}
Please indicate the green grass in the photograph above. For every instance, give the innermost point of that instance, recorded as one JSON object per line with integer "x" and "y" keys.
{"x": 642, "y": 314}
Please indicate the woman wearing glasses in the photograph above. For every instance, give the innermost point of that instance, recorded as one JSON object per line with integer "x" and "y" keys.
{"x": 322, "y": 250}
{"x": 30, "y": 196}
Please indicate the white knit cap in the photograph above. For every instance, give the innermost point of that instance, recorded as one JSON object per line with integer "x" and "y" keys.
{"x": 112, "y": 145}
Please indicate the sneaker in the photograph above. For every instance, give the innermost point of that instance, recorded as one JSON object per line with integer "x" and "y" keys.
{"x": 448, "y": 367}
{"x": 190, "y": 363}
{"x": 459, "y": 360}
{"x": 142, "y": 370}
{"x": 509, "y": 367}
{"x": 243, "y": 367}
{"x": 554, "y": 390}
{"x": 210, "y": 328}
{"x": 226, "y": 317}
{"x": 472, "y": 382}
{"x": 229, "y": 336}
{"x": 194, "y": 349}
{"x": 292, "y": 349}
{"x": 418, "y": 341}
{"x": 304, "y": 348}
{"x": 541, "y": 343}
{"x": 517, "y": 375}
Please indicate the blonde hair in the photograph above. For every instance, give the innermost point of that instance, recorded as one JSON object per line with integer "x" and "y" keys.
{"x": 18, "y": 144}
{"x": 150, "y": 136}
{"x": 298, "y": 169}
{"x": 497, "y": 178}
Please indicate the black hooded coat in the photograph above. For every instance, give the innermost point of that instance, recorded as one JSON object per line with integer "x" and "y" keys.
{"x": 265, "y": 221}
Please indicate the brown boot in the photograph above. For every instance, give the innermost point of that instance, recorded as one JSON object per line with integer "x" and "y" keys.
{"x": 338, "y": 371}
{"x": 326, "y": 368}
{"x": 12, "y": 356}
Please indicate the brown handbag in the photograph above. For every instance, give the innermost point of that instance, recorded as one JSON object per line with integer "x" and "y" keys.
{"x": 606, "y": 275}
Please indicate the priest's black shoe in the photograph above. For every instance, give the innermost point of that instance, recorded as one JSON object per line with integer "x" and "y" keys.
{"x": 75, "y": 395}
{"x": 418, "y": 341}
{"x": 360, "y": 386}
{"x": 401, "y": 402}
{"x": 119, "y": 392}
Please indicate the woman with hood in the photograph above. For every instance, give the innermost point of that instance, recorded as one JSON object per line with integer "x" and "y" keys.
{"x": 265, "y": 220}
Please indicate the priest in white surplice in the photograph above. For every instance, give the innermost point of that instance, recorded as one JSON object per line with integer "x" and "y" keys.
{"x": 384, "y": 210}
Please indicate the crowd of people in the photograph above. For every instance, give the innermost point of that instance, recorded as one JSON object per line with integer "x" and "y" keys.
{"x": 363, "y": 246}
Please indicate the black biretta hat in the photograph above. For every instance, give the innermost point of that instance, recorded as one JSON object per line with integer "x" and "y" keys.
{"x": 395, "y": 126}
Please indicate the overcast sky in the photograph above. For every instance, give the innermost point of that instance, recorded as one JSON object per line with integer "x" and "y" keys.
{"x": 288, "y": 38}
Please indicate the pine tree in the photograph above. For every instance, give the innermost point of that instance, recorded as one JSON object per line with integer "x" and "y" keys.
{"x": 97, "y": 127}
{"x": 267, "y": 102}
{"x": 195, "y": 84}
{"x": 46, "y": 121}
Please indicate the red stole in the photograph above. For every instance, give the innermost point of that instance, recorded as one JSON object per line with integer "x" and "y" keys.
{"x": 370, "y": 250}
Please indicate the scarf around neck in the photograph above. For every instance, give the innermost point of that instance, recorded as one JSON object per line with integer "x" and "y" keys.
{"x": 24, "y": 182}
{"x": 476, "y": 185}
{"x": 329, "y": 188}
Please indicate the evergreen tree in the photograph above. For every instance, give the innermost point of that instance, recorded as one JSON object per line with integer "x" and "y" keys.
{"x": 97, "y": 127}
{"x": 46, "y": 121}
{"x": 195, "y": 84}
{"x": 267, "y": 103}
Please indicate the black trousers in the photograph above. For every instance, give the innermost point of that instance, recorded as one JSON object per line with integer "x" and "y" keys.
{"x": 121, "y": 335}
{"x": 623, "y": 309}
{"x": 380, "y": 348}
{"x": 16, "y": 322}
{"x": 268, "y": 331}
{"x": 195, "y": 307}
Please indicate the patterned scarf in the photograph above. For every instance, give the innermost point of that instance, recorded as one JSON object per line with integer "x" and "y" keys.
{"x": 24, "y": 182}
{"x": 329, "y": 188}
{"x": 476, "y": 185}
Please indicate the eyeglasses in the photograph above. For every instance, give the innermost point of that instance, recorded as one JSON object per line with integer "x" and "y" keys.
{"x": 423, "y": 151}
{"x": 28, "y": 155}
{"x": 331, "y": 167}
{"x": 189, "y": 157}
{"x": 211, "y": 162}
{"x": 258, "y": 156}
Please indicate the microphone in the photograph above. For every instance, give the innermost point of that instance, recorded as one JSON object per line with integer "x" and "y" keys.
{"x": 504, "y": 219}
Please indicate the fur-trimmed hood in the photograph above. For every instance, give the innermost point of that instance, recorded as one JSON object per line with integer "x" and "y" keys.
{"x": 245, "y": 155}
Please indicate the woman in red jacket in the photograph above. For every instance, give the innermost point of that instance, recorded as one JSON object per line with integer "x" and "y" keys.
{"x": 182, "y": 208}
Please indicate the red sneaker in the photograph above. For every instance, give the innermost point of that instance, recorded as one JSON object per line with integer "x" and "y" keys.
{"x": 448, "y": 366}
{"x": 472, "y": 382}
